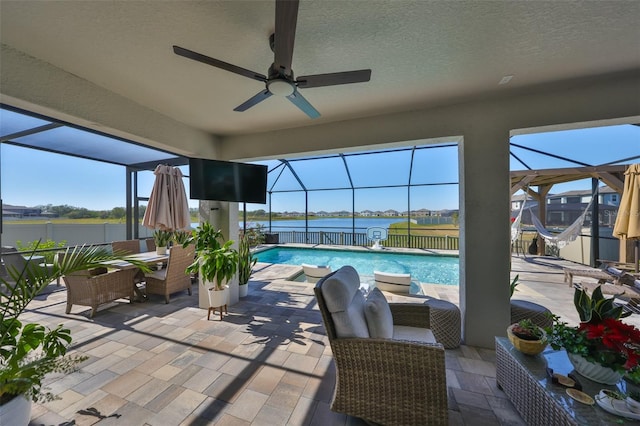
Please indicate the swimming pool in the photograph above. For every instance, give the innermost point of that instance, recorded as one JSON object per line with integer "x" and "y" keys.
{"x": 437, "y": 269}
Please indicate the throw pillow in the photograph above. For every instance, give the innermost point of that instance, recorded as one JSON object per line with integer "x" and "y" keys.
{"x": 378, "y": 314}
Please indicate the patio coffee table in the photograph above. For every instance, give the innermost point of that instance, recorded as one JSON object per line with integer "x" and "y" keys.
{"x": 525, "y": 380}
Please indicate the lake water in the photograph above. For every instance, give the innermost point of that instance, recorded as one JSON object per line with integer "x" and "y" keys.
{"x": 437, "y": 269}
{"x": 327, "y": 224}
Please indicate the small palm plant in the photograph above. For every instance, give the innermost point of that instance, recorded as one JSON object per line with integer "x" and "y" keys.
{"x": 29, "y": 351}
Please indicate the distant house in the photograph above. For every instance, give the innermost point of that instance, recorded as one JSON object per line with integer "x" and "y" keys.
{"x": 390, "y": 213}
{"x": 565, "y": 208}
{"x": 20, "y": 211}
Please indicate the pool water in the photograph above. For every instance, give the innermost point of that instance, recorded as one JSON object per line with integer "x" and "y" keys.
{"x": 436, "y": 269}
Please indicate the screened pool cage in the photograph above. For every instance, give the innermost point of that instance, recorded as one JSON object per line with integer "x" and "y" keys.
{"x": 341, "y": 195}
{"x": 333, "y": 198}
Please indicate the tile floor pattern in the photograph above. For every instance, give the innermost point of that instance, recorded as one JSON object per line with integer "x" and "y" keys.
{"x": 267, "y": 363}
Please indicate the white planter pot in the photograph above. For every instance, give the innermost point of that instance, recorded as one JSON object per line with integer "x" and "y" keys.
{"x": 161, "y": 251}
{"x": 243, "y": 290}
{"x": 16, "y": 412}
{"x": 218, "y": 299}
{"x": 594, "y": 371}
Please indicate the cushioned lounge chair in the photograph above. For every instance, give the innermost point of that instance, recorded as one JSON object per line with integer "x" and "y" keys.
{"x": 389, "y": 369}
{"x": 315, "y": 272}
{"x": 394, "y": 283}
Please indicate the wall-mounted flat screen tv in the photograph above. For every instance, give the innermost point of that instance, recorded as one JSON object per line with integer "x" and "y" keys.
{"x": 227, "y": 181}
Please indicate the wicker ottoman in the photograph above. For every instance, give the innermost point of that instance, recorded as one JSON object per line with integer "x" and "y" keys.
{"x": 445, "y": 322}
{"x": 522, "y": 309}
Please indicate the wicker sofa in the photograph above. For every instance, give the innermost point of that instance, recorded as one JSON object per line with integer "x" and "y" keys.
{"x": 394, "y": 380}
{"x": 86, "y": 288}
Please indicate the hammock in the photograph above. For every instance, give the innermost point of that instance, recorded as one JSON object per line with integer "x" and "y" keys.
{"x": 565, "y": 237}
{"x": 515, "y": 226}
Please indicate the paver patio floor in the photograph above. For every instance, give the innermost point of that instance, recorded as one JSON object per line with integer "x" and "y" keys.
{"x": 267, "y": 363}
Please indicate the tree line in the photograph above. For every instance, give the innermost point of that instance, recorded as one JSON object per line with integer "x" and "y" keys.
{"x": 72, "y": 212}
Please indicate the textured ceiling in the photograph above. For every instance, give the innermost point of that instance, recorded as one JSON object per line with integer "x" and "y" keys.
{"x": 421, "y": 53}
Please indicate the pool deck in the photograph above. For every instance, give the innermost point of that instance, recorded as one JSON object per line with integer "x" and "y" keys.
{"x": 267, "y": 363}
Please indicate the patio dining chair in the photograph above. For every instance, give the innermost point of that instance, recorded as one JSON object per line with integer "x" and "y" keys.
{"x": 126, "y": 246}
{"x": 390, "y": 369}
{"x": 173, "y": 278}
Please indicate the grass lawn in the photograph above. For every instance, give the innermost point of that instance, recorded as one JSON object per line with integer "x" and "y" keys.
{"x": 425, "y": 230}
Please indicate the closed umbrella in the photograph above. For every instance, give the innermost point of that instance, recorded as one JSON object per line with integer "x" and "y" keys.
{"x": 168, "y": 208}
{"x": 628, "y": 219}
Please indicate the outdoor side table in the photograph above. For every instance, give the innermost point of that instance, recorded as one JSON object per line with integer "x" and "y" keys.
{"x": 525, "y": 380}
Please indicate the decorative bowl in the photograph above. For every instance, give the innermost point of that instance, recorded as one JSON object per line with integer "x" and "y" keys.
{"x": 528, "y": 347}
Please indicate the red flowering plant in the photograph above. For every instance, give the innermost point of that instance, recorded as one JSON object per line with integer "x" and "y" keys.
{"x": 601, "y": 336}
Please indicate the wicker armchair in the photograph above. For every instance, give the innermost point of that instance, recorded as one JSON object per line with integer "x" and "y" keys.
{"x": 387, "y": 381}
{"x": 173, "y": 278}
{"x": 86, "y": 289}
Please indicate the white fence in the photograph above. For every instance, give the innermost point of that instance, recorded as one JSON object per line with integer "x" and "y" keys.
{"x": 72, "y": 233}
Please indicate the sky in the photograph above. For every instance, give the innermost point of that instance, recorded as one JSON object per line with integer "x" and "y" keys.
{"x": 30, "y": 177}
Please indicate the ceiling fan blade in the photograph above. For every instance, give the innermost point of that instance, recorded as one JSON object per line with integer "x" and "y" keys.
{"x": 285, "y": 34}
{"x": 252, "y": 101}
{"x": 333, "y": 79}
{"x": 298, "y": 100}
{"x": 190, "y": 54}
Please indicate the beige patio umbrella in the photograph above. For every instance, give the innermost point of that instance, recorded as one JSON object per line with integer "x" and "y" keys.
{"x": 628, "y": 219}
{"x": 168, "y": 208}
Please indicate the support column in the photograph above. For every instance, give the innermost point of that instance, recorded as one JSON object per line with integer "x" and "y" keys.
{"x": 543, "y": 191}
{"x": 224, "y": 216}
{"x": 484, "y": 234}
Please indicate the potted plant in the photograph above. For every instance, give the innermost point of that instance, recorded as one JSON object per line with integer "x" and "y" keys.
{"x": 215, "y": 260}
{"x": 246, "y": 262}
{"x": 30, "y": 351}
{"x": 602, "y": 348}
{"x": 162, "y": 238}
{"x": 180, "y": 237}
{"x": 527, "y": 337}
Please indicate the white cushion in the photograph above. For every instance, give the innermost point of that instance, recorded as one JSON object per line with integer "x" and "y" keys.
{"x": 352, "y": 322}
{"x": 378, "y": 315}
{"x": 415, "y": 334}
{"x": 345, "y": 302}
{"x": 391, "y": 278}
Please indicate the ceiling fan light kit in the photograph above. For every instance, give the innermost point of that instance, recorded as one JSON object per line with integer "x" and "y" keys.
{"x": 280, "y": 81}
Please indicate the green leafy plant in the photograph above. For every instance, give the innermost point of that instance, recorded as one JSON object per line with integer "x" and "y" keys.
{"x": 30, "y": 351}
{"x": 41, "y": 247}
{"x": 246, "y": 261}
{"x": 601, "y": 337}
{"x": 255, "y": 235}
{"x": 527, "y": 330}
{"x": 162, "y": 237}
{"x": 513, "y": 285}
{"x": 180, "y": 237}
{"x": 215, "y": 260}
{"x": 597, "y": 307}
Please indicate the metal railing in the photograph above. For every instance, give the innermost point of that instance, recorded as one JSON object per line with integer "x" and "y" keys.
{"x": 360, "y": 239}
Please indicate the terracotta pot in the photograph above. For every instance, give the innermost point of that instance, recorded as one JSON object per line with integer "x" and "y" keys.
{"x": 528, "y": 347}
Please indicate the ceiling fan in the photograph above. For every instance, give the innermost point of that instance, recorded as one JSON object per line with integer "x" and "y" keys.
{"x": 280, "y": 80}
